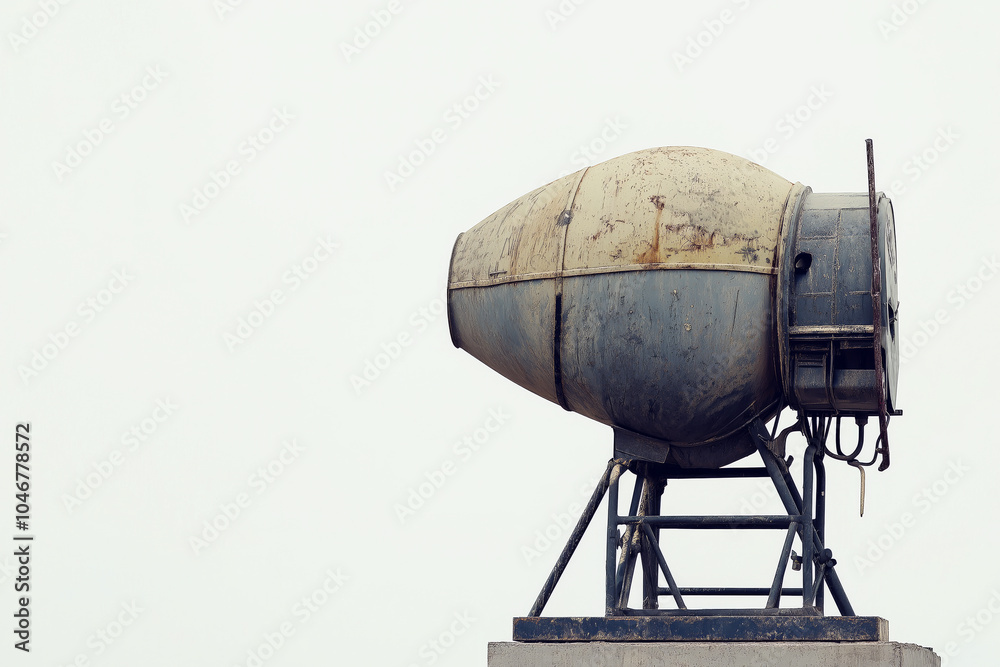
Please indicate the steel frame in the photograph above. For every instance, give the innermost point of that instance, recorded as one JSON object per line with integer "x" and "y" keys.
{"x": 804, "y": 518}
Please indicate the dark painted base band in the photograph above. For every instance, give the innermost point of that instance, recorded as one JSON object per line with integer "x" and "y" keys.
{"x": 778, "y": 628}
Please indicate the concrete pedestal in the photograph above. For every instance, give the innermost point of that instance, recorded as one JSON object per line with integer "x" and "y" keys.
{"x": 710, "y": 654}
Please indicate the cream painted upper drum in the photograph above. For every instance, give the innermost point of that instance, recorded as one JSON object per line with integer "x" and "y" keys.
{"x": 694, "y": 207}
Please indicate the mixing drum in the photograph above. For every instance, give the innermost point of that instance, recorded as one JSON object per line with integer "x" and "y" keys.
{"x": 679, "y": 294}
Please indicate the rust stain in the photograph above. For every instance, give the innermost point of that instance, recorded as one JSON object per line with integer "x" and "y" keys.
{"x": 653, "y": 254}
{"x": 696, "y": 238}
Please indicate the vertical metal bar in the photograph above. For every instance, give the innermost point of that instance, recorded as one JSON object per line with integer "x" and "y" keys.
{"x": 629, "y": 533}
{"x": 626, "y": 583}
{"x": 808, "y": 547}
{"x": 671, "y": 584}
{"x": 650, "y": 573}
{"x": 774, "y": 596}
{"x": 831, "y": 578}
{"x": 574, "y": 538}
{"x": 633, "y": 506}
{"x": 612, "y": 537}
{"x": 820, "y": 523}
{"x": 655, "y": 503}
{"x": 630, "y": 549}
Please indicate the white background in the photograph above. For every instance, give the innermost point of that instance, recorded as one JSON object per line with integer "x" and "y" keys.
{"x": 920, "y": 79}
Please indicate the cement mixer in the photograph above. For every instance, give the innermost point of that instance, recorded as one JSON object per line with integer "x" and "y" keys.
{"x": 677, "y": 294}
{"x": 685, "y": 297}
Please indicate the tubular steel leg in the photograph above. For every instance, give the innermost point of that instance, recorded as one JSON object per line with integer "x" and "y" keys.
{"x": 630, "y": 541}
{"x": 612, "y": 539}
{"x": 831, "y": 579}
{"x": 633, "y": 546}
{"x": 613, "y": 470}
{"x": 808, "y": 528}
{"x": 650, "y": 572}
{"x": 820, "y": 525}
{"x": 633, "y": 555}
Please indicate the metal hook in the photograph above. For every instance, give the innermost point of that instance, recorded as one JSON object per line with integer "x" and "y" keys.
{"x": 840, "y": 455}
